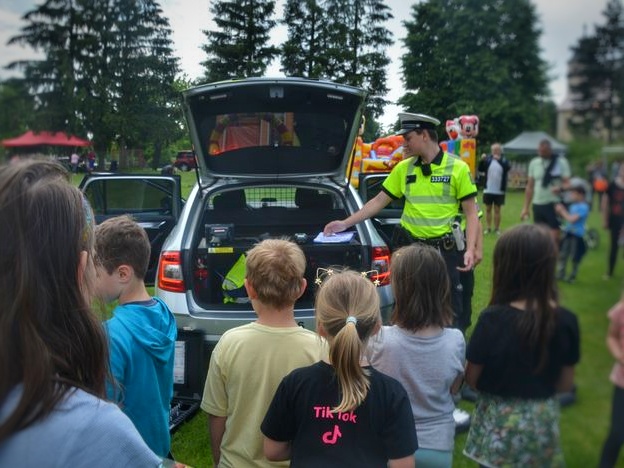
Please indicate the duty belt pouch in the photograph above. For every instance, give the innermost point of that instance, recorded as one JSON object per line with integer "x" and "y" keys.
{"x": 448, "y": 243}
{"x": 400, "y": 237}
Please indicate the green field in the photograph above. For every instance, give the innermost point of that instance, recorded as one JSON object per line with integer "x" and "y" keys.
{"x": 584, "y": 424}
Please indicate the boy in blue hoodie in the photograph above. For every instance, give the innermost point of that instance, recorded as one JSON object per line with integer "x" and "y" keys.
{"x": 573, "y": 244}
{"x": 141, "y": 333}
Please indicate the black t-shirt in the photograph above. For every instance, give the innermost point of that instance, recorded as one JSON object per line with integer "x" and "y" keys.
{"x": 509, "y": 364}
{"x": 616, "y": 203}
{"x": 381, "y": 428}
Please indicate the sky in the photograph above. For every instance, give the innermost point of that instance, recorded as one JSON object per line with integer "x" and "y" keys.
{"x": 563, "y": 22}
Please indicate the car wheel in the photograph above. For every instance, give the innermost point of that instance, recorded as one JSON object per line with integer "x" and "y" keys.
{"x": 184, "y": 167}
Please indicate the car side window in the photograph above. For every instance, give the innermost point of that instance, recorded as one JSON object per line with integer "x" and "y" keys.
{"x": 116, "y": 197}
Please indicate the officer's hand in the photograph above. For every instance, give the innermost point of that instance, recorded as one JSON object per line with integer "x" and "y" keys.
{"x": 469, "y": 261}
{"x": 333, "y": 227}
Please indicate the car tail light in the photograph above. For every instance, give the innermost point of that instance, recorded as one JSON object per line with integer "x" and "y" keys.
{"x": 170, "y": 272}
{"x": 381, "y": 263}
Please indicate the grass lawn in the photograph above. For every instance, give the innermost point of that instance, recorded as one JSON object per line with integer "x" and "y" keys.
{"x": 583, "y": 425}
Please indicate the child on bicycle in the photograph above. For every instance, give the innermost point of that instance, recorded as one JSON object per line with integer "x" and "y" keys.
{"x": 573, "y": 243}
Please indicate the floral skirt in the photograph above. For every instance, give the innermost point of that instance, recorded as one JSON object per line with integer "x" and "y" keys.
{"x": 515, "y": 433}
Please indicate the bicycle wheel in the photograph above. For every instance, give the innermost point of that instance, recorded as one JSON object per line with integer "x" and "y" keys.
{"x": 592, "y": 238}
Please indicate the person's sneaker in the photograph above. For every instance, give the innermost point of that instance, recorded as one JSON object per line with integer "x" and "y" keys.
{"x": 606, "y": 277}
{"x": 462, "y": 420}
{"x": 571, "y": 279}
{"x": 497, "y": 232}
{"x": 487, "y": 231}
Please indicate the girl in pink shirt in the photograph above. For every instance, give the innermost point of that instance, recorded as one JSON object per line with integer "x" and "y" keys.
{"x": 615, "y": 343}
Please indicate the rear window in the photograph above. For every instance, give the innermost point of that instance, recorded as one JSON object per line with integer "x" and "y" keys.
{"x": 272, "y": 129}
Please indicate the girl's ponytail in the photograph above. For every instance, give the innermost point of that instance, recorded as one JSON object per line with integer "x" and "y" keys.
{"x": 347, "y": 308}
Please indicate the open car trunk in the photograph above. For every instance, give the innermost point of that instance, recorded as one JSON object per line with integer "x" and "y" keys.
{"x": 236, "y": 219}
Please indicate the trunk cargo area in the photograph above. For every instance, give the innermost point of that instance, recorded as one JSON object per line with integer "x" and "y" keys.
{"x": 229, "y": 230}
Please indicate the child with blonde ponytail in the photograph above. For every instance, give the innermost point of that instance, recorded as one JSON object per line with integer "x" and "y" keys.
{"x": 342, "y": 412}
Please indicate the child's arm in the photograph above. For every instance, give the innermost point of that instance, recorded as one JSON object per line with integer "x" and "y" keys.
{"x": 561, "y": 211}
{"x": 216, "y": 427}
{"x": 473, "y": 372}
{"x": 275, "y": 450}
{"x": 407, "y": 462}
{"x": 565, "y": 383}
{"x": 614, "y": 341}
{"x": 459, "y": 380}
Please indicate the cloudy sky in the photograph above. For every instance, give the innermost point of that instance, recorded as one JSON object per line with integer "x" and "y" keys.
{"x": 562, "y": 21}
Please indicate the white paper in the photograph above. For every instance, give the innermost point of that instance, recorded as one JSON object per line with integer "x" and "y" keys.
{"x": 334, "y": 238}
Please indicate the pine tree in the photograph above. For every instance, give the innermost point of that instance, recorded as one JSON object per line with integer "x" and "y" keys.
{"x": 597, "y": 77}
{"x": 303, "y": 52}
{"x": 356, "y": 47}
{"x": 473, "y": 57}
{"x": 51, "y": 29}
{"x": 239, "y": 47}
{"x": 343, "y": 41}
{"x": 17, "y": 108}
{"x": 108, "y": 68}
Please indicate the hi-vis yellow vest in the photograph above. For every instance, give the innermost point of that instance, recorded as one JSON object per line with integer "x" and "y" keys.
{"x": 431, "y": 201}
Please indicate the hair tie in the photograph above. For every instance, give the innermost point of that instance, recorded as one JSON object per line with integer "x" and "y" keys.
{"x": 351, "y": 319}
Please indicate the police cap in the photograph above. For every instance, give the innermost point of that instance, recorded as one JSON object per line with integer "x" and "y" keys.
{"x": 411, "y": 122}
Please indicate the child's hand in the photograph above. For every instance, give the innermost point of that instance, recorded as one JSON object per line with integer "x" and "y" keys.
{"x": 559, "y": 208}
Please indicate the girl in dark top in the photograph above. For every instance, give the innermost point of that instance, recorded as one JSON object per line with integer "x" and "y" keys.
{"x": 612, "y": 207}
{"x": 522, "y": 351}
{"x": 343, "y": 412}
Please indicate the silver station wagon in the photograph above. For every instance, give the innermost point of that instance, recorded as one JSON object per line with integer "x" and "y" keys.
{"x": 272, "y": 159}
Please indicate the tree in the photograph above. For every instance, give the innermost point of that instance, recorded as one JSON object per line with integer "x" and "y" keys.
{"x": 239, "y": 47}
{"x": 303, "y": 52}
{"x": 108, "y": 69}
{"x": 17, "y": 108}
{"x": 597, "y": 77}
{"x": 53, "y": 30}
{"x": 343, "y": 41}
{"x": 473, "y": 57}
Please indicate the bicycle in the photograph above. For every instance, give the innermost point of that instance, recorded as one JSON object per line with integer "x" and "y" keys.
{"x": 592, "y": 238}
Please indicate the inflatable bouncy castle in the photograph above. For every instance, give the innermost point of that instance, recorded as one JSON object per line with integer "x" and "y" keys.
{"x": 462, "y": 132}
{"x": 385, "y": 152}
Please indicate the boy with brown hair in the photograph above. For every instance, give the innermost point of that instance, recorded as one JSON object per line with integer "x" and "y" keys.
{"x": 141, "y": 333}
{"x": 250, "y": 361}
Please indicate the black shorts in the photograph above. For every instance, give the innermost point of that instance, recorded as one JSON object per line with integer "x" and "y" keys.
{"x": 493, "y": 199}
{"x": 545, "y": 214}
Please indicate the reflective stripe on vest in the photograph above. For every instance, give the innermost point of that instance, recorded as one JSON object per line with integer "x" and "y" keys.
{"x": 431, "y": 207}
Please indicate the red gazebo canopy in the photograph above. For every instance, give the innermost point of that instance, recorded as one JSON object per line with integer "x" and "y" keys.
{"x": 31, "y": 138}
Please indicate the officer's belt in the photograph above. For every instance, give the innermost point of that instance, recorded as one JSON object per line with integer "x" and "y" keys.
{"x": 445, "y": 242}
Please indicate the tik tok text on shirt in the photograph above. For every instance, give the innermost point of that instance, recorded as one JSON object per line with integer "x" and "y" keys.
{"x": 324, "y": 412}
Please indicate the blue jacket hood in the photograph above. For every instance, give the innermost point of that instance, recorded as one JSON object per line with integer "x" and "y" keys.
{"x": 153, "y": 327}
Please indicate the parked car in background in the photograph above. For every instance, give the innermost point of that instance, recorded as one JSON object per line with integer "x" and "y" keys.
{"x": 185, "y": 160}
{"x": 271, "y": 157}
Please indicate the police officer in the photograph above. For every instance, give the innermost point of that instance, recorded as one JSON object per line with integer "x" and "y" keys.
{"x": 435, "y": 184}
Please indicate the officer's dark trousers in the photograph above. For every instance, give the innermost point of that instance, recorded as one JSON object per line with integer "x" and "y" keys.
{"x": 454, "y": 259}
{"x": 467, "y": 279}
